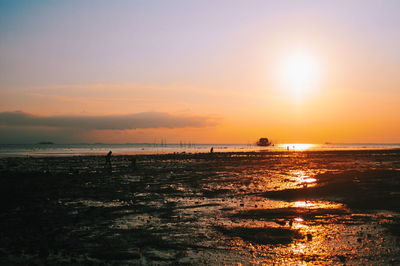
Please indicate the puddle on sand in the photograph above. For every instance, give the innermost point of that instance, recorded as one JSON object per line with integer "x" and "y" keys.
{"x": 224, "y": 217}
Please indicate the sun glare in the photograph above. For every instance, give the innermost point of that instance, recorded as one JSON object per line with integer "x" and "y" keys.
{"x": 300, "y": 73}
{"x": 297, "y": 146}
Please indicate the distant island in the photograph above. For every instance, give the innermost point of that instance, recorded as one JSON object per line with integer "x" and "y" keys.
{"x": 45, "y": 142}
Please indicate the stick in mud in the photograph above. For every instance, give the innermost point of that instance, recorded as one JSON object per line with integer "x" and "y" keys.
{"x": 133, "y": 164}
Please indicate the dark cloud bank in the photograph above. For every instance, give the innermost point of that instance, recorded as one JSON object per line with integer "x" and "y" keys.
{"x": 22, "y": 127}
{"x": 118, "y": 122}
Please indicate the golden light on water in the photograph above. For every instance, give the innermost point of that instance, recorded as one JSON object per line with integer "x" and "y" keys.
{"x": 303, "y": 179}
{"x": 302, "y": 204}
{"x": 309, "y": 180}
{"x": 297, "y": 146}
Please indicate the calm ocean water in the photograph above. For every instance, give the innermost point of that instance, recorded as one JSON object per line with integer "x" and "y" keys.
{"x": 12, "y": 150}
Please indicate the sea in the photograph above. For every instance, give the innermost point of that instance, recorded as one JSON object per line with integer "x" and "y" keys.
{"x": 46, "y": 149}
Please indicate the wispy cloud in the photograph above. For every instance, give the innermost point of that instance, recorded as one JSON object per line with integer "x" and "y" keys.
{"x": 106, "y": 122}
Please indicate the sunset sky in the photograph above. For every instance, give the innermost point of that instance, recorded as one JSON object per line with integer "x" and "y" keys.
{"x": 200, "y": 71}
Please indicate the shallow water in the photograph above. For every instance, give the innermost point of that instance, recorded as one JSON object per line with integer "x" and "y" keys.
{"x": 322, "y": 207}
{"x": 14, "y": 150}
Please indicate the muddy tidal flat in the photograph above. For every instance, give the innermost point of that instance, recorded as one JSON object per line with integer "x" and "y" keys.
{"x": 287, "y": 207}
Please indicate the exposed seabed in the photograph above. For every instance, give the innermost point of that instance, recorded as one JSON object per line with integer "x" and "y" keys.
{"x": 325, "y": 207}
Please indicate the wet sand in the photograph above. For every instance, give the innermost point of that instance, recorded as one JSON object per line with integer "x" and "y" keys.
{"x": 319, "y": 207}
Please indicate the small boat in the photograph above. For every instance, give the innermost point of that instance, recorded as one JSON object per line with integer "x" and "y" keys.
{"x": 263, "y": 142}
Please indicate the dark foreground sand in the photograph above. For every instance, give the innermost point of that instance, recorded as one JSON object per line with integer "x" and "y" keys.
{"x": 318, "y": 207}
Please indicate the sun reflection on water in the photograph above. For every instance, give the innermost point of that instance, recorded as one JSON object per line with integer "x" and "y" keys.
{"x": 297, "y": 146}
{"x": 302, "y": 204}
{"x": 304, "y": 178}
{"x": 317, "y": 205}
{"x": 309, "y": 179}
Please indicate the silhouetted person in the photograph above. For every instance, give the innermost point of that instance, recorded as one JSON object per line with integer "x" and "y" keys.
{"x": 212, "y": 150}
{"x": 108, "y": 160}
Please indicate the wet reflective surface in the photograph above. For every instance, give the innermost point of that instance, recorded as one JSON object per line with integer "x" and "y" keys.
{"x": 295, "y": 207}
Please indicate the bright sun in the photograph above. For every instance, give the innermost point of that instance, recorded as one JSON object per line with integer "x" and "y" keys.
{"x": 300, "y": 73}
